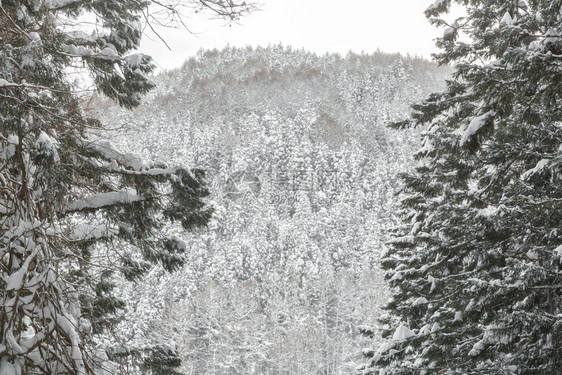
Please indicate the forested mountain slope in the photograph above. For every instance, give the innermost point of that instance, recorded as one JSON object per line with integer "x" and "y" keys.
{"x": 303, "y": 177}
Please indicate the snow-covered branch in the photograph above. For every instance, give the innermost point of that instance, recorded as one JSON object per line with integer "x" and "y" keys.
{"x": 100, "y": 200}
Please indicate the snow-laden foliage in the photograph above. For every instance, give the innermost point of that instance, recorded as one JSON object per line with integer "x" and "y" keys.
{"x": 69, "y": 201}
{"x": 476, "y": 267}
{"x": 301, "y": 172}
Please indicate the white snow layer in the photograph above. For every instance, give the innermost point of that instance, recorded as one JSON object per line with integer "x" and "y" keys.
{"x": 9, "y": 368}
{"x": 558, "y": 251}
{"x": 476, "y": 124}
{"x": 9, "y": 150}
{"x": 49, "y": 145}
{"x": 536, "y": 169}
{"x": 402, "y": 333}
{"x": 451, "y": 29}
{"x": 552, "y": 36}
{"x": 74, "y": 50}
{"x": 134, "y": 60}
{"x": 425, "y": 330}
{"x": 78, "y": 34}
{"x": 420, "y": 301}
{"x": 61, "y": 3}
{"x": 108, "y": 150}
{"x": 404, "y": 240}
{"x": 15, "y": 280}
{"x": 35, "y": 37}
{"x": 108, "y": 52}
{"x": 477, "y": 348}
{"x": 105, "y": 199}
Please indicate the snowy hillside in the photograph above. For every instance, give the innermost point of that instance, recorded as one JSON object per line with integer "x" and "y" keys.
{"x": 303, "y": 175}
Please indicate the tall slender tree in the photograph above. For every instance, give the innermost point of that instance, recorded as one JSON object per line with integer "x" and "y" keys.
{"x": 476, "y": 267}
{"x": 73, "y": 209}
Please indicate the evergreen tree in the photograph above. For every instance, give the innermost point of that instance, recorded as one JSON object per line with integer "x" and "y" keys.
{"x": 73, "y": 209}
{"x": 476, "y": 267}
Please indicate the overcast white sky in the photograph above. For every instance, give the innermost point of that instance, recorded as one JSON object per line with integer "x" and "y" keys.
{"x": 316, "y": 25}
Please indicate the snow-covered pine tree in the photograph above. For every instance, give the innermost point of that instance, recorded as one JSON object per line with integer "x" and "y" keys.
{"x": 476, "y": 269}
{"x": 73, "y": 209}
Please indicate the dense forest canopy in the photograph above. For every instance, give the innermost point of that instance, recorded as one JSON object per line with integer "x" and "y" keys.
{"x": 302, "y": 175}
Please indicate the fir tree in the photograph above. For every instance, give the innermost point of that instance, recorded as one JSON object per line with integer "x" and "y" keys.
{"x": 476, "y": 268}
{"x": 73, "y": 209}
